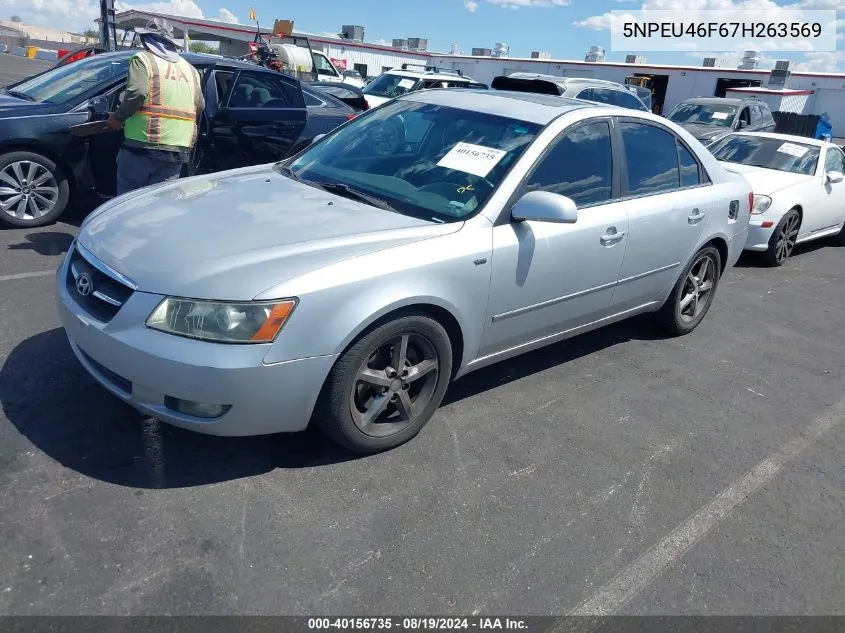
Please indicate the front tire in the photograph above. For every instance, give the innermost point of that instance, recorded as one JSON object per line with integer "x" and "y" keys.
{"x": 693, "y": 294}
{"x": 385, "y": 388}
{"x": 34, "y": 191}
{"x": 782, "y": 241}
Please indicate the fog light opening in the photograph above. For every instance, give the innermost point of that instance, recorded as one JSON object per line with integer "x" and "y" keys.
{"x": 196, "y": 409}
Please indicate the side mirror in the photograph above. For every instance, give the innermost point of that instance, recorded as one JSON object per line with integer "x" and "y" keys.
{"x": 834, "y": 176}
{"x": 742, "y": 124}
{"x": 99, "y": 105}
{"x": 543, "y": 206}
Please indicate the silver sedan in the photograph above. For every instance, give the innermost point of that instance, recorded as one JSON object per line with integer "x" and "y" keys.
{"x": 437, "y": 234}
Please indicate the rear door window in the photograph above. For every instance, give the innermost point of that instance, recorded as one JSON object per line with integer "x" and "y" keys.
{"x": 266, "y": 91}
{"x": 651, "y": 158}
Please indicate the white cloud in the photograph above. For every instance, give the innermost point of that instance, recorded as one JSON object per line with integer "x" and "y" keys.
{"x": 224, "y": 15}
{"x": 77, "y": 15}
{"x": 519, "y": 4}
{"x": 821, "y": 62}
{"x": 470, "y": 5}
{"x": 382, "y": 42}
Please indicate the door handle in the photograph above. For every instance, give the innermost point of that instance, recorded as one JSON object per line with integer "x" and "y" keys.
{"x": 611, "y": 238}
{"x": 695, "y": 217}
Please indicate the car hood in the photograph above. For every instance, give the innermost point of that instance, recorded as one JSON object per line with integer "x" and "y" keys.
{"x": 704, "y": 132}
{"x": 375, "y": 100}
{"x": 766, "y": 181}
{"x": 234, "y": 234}
{"x": 12, "y": 106}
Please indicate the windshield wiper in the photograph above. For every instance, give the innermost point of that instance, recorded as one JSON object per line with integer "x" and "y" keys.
{"x": 345, "y": 190}
{"x": 287, "y": 171}
{"x": 19, "y": 95}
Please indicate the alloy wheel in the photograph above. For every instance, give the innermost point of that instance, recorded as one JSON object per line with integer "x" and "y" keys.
{"x": 28, "y": 190}
{"x": 697, "y": 289}
{"x": 786, "y": 238}
{"x": 394, "y": 385}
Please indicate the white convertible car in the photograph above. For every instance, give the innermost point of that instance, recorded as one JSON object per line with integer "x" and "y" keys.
{"x": 799, "y": 193}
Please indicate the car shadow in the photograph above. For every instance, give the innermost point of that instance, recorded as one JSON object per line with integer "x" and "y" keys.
{"x": 47, "y": 243}
{"x": 53, "y": 402}
{"x": 638, "y": 328}
{"x": 750, "y": 259}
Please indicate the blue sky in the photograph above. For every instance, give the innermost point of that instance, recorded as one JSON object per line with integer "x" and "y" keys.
{"x": 564, "y": 28}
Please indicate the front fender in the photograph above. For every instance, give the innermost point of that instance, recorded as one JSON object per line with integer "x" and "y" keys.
{"x": 340, "y": 302}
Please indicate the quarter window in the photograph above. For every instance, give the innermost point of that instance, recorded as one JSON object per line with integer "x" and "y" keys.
{"x": 579, "y": 166}
{"x": 690, "y": 175}
{"x": 651, "y": 158}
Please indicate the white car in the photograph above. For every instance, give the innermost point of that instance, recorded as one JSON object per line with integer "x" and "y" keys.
{"x": 798, "y": 190}
{"x": 398, "y": 81}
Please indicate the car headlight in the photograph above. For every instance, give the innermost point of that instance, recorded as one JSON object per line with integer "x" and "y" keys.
{"x": 761, "y": 204}
{"x": 253, "y": 322}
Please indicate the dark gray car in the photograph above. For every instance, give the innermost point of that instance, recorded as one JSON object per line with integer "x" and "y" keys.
{"x": 711, "y": 118}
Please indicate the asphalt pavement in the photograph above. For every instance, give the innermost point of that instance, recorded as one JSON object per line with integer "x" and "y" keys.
{"x": 13, "y": 68}
{"x": 618, "y": 472}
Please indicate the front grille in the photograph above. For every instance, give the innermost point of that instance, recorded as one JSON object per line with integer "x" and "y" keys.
{"x": 118, "y": 381}
{"x": 97, "y": 291}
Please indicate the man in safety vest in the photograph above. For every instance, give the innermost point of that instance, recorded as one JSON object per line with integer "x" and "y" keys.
{"x": 158, "y": 113}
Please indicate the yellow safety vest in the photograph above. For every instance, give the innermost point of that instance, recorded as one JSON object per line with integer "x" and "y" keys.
{"x": 168, "y": 116}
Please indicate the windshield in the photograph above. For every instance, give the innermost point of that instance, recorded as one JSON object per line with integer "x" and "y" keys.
{"x": 429, "y": 161}
{"x": 391, "y": 86}
{"x": 717, "y": 115}
{"x": 64, "y": 83}
{"x": 770, "y": 153}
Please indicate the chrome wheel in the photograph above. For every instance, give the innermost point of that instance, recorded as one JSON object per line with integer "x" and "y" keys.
{"x": 697, "y": 289}
{"x": 28, "y": 190}
{"x": 394, "y": 385}
{"x": 786, "y": 237}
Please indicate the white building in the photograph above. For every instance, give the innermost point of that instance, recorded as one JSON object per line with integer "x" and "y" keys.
{"x": 820, "y": 92}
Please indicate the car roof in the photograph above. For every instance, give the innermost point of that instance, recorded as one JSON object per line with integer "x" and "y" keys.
{"x": 788, "y": 137}
{"x": 427, "y": 75}
{"x": 526, "y": 106}
{"x": 194, "y": 59}
{"x": 715, "y": 100}
{"x": 569, "y": 80}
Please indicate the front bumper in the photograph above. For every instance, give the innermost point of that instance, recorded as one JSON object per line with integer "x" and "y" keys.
{"x": 147, "y": 369}
{"x": 758, "y": 236}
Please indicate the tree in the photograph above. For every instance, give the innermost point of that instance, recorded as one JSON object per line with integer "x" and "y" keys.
{"x": 90, "y": 34}
{"x": 16, "y": 18}
{"x": 201, "y": 47}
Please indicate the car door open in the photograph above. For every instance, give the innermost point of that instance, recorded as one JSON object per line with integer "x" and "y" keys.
{"x": 260, "y": 121}
{"x": 551, "y": 273}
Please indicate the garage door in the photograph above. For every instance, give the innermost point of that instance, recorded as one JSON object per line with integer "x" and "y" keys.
{"x": 832, "y": 102}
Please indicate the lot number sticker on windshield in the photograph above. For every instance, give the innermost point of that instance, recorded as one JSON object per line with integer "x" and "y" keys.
{"x": 406, "y": 83}
{"x": 792, "y": 150}
{"x": 472, "y": 159}
{"x": 720, "y": 115}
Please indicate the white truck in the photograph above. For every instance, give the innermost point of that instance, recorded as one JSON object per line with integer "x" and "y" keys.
{"x": 299, "y": 58}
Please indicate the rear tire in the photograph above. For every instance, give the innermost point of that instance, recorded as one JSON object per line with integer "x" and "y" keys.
{"x": 378, "y": 396}
{"x": 693, "y": 294}
{"x": 782, "y": 241}
{"x": 34, "y": 191}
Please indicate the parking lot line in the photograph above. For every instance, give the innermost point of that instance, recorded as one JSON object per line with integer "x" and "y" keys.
{"x": 37, "y": 273}
{"x": 640, "y": 573}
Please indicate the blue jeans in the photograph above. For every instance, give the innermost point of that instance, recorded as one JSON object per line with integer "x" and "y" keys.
{"x": 139, "y": 170}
